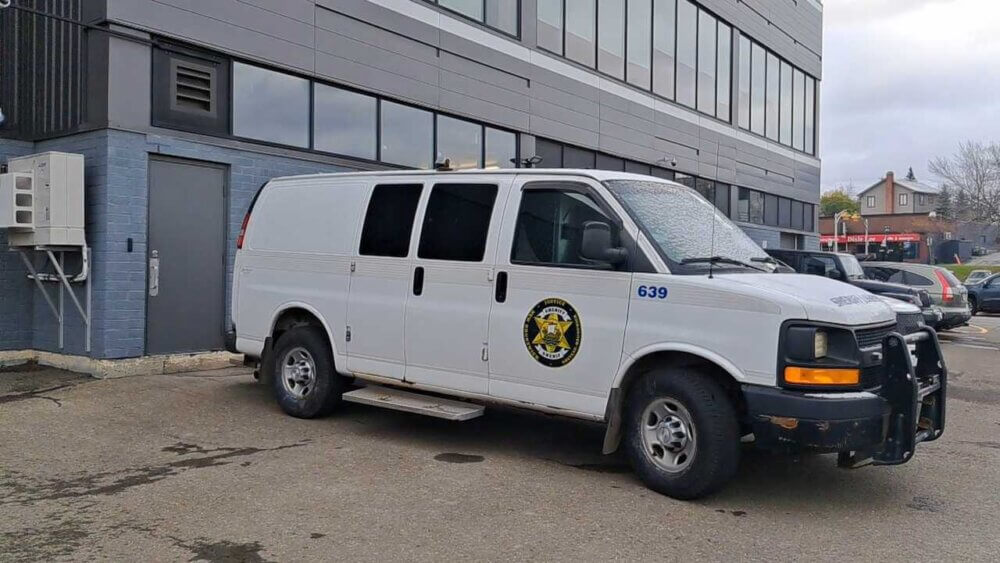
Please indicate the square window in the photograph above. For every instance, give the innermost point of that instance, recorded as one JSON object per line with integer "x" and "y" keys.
{"x": 407, "y": 135}
{"x": 389, "y": 220}
{"x": 270, "y": 106}
{"x": 457, "y": 222}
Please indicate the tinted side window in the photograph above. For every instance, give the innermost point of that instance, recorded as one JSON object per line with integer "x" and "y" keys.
{"x": 389, "y": 220}
{"x": 895, "y": 276}
{"x": 818, "y": 265}
{"x": 916, "y": 279}
{"x": 878, "y": 274}
{"x": 457, "y": 222}
{"x": 550, "y": 227}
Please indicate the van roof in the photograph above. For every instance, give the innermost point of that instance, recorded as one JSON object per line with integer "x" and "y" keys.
{"x": 599, "y": 175}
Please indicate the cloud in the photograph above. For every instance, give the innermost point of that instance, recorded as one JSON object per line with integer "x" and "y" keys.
{"x": 905, "y": 81}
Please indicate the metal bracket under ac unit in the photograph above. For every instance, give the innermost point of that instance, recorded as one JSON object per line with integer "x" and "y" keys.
{"x": 64, "y": 284}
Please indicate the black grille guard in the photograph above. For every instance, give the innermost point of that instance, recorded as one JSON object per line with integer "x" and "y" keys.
{"x": 915, "y": 396}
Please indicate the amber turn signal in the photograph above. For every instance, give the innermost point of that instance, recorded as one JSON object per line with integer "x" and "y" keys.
{"x": 821, "y": 376}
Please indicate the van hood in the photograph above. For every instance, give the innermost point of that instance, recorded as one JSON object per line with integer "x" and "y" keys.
{"x": 823, "y": 299}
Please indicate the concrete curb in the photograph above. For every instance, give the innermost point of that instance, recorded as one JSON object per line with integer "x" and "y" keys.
{"x": 125, "y": 367}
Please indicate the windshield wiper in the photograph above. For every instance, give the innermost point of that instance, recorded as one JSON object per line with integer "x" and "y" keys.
{"x": 765, "y": 260}
{"x": 721, "y": 260}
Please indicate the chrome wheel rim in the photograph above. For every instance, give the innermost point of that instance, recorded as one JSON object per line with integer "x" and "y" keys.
{"x": 668, "y": 435}
{"x": 298, "y": 373}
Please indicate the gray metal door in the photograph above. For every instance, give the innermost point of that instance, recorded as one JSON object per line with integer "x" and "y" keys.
{"x": 185, "y": 257}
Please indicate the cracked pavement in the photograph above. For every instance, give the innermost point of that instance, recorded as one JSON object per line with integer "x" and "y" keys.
{"x": 205, "y": 467}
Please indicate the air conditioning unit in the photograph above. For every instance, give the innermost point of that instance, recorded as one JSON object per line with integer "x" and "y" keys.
{"x": 44, "y": 205}
{"x": 17, "y": 201}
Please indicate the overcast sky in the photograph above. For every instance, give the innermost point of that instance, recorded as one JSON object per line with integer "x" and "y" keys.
{"x": 905, "y": 81}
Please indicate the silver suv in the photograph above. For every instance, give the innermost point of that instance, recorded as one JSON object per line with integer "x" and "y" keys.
{"x": 944, "y": 288}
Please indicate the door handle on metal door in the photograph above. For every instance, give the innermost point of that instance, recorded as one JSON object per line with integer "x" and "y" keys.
{"x": 418, "y": 280}
{"x": 501, "y": 288}
{"x": 154, "y": 273}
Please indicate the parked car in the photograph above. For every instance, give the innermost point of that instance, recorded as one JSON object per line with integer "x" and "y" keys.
{"x": 846, "y": 268}
{"x": 976, "y": 276}
{"x": 599, "y": 295}
{"x": 944, "y": 288}
{"x": 985, "y": 296}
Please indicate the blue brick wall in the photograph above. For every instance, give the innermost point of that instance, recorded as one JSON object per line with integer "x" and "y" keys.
{"x": 123, "y": 330}
{"x": 116, "y": 179}
{"x": 16, "y": 294}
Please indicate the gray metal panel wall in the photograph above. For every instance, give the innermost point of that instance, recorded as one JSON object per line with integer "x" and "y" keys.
{"x": 42, "y": 68}
{"x": 415, "y": 52}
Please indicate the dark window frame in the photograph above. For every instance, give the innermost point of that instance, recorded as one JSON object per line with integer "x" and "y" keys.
{"x": 228, "y": 61}
{"x": 814, "y": 109}
{"x": 576, "y": 187}
{"x": 650, "y": 89}
{"x": 452, "y": 11}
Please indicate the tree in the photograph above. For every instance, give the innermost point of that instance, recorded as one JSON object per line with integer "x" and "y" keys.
{"x": 945, "y": 205}
{"x": 838, "y": 200}
{"x": 961, "y": 211}
{"x": 974, "y": 174}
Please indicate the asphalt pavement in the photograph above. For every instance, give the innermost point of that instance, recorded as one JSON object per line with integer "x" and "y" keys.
{"x": 205, "y": 467}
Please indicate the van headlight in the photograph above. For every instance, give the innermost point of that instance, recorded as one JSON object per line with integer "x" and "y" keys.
{"x": 820, "y": 344}
{"x": 819, "y": 356}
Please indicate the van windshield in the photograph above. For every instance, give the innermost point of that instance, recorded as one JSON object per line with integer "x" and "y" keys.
{"x": 688, "y": 230}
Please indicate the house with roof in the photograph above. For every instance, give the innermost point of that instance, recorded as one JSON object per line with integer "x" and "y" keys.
{"x": 890, "y": 196}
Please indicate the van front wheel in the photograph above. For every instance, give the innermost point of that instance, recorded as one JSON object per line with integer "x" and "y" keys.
{"x": 305, "y": 383}
{"x": 682, "y": 435}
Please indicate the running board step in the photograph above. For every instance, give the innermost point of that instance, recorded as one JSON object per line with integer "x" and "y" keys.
{"x": 397, "y": 399}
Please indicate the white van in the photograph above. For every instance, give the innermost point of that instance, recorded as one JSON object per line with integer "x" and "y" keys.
{"x": 598, "y": 295}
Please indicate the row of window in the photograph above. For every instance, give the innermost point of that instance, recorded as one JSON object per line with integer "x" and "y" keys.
{"x": 502, "y": 15}
{"x": 456, "y": 223}
{"x": 761, "y": 208}
{"x": 776, "y": 100}
{"x": 289, "y": 110}
{"x": 904, "y": 199}
{"x": 752, "y": 206}
{"x": 671, "y": 47}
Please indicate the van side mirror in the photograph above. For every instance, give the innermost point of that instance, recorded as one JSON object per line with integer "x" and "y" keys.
{"x": 834, "y": 275}
{"x": 596, "y": 244}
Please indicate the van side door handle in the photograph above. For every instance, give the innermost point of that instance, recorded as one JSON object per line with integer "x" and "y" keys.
{"x": 501, "y": 287}
{"x": 418, "y": 280}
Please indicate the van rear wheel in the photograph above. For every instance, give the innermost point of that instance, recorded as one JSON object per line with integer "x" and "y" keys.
{"x": 305, "y": 383}
{"x": 682, "y": 434}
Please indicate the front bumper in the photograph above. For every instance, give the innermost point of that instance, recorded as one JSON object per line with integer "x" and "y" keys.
{"x": 882, "y": 425}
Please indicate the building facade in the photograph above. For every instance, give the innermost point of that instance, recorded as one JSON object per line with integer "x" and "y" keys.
{"x": 890, "y": 196}
{"x": 184, "y": 109}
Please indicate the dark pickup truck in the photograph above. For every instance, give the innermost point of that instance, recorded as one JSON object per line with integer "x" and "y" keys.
{"x": 846, "y": 268}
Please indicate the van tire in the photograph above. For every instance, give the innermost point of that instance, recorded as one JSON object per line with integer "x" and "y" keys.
{"x": 310, "y": 387}
{"x": 667, "y": 404}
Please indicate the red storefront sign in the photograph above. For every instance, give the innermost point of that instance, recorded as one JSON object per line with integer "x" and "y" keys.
{"x": 872, "y": 238}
